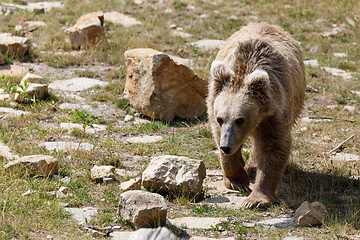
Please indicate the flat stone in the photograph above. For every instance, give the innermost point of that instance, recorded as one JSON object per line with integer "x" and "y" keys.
{"x": 206, "y": 238}
{"x": 40, "y": 165}
{"x": 125, "y": 173}
{"x": 74, "y": 106}
{"x": 196, "y": 222}
{"x": 219, "y": 185}
{"x": 14, "y": 45}
{"x": 132, "y": 184}
{"x": 230, "y": 202}
{"x": 214, "y": 172}
{"x": 66, "y": 146}
{"x": 340, "y": 55}
{"x": 12, "y": 71}
{"x": 88, "y": 130}
{"x": 184, "y": 61}
{"x": 117, "y": 235}
{"x": 82, "y": 215}
{"x": 35, "y": 24}
{"x": 181, "y": 34}
{"x": 345, "y": 157}
{"x": 33, "y": 78}
{"x": 338, "y": 72}
{"x": 119, "y": 18}
{"x": 9, "y": 112}
{"x": 76, "y": 84}
{"x": 356, "y": 92}
{"x": 6, "y": 152}
{"x": 208, "y": 44}
{"x": 160, "y": 233}
{"x": 278, "y": 223}
{"x": 311, "y": 63}
{"x": 144, "y": 139}
{"x": 36, "y": 7}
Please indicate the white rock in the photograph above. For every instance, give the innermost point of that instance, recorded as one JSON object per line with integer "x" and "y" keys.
{"x": 66, "y": 146}
{"x": 125, "y": 173}
{"x": 88, "y": 130}
{"x": 196, "y": 222}
{"x": 311, "y": 63}
{"x": 82, "y": 215}
{"x": 12, "y": 70}
{"x": 144, "y": 139}
{"x": 129, "y": 118}
{"x": 310, "y": 214}
{"x": 294, "y": 238}
{"x": 63, "y": 192}
{"x": 175, "y": 174}
{"x": 350, "y": 108}
{"x": 181, "y": 34}
{"x": 206, "y": 238}
{"x": 338, "y": 72}
{"x": 340, "y": 55}
{"x": 76, "y": 84}
{"x": 35, "y": 24}
{"x": 356, "y": 92}
{"x": 350, "y": 21}
{"x": 208, "y": 44}
{"x": 117, "y": 235}
{"x": 33, "y": 78}
{"x": 119, "y": 18}
{"x": 345, "y": 157}
{"x": 6, "y": 152}
{"x": 160, "y": 233}
{"x": 132, "y": 184}
{"x": 100, "y": 172}
{"x": 142, "y": 209}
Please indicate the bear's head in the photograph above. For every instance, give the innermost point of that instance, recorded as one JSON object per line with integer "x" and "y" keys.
{"x": 238, "y": 112}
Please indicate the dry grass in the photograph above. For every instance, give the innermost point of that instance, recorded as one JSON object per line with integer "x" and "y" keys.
{"x": 310, "y": 176}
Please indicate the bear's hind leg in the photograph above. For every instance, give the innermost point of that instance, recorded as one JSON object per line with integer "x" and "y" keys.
{"x": 271, "y": 154}
{"x": 235, "y": 176}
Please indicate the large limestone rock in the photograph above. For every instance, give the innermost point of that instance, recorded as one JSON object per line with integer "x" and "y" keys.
{"x": 175, "y": 174}
{"x": 160, "y": 88}
{"x": 12, "y": 71}
{"x": 87, "y": 31}
{"x": 41, "y": 165}
{"x": 13, "y": 45}
{"x": 142, "y": 209}
{"x": 160, "y": 233}
{"x": 310, "y": 214}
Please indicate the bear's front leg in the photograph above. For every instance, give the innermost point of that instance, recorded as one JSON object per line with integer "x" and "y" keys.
{"x": 235, "y": 176}
{"x": 271, "y": 154}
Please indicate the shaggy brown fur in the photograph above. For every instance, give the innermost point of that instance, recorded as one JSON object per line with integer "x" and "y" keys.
{"x": 257, "y": 89}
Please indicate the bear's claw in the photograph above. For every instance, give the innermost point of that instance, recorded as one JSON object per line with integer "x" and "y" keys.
{"x": 239, "y": 184}
{"x": 243, "y": 189}
{"x": 256, "y": 202}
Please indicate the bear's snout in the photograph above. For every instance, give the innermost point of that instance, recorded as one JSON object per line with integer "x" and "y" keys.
{"x": 225, "y": 149}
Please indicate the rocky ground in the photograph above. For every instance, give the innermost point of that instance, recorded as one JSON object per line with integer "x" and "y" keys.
{"x": 100, "y": 160}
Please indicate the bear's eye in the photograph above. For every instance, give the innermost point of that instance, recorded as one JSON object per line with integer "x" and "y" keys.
{"x": 240, "y": 120}
{"x": 220, "y": 120}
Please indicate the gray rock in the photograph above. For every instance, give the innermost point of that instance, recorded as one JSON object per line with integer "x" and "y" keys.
{"x": 76, "y": 84}
{"x": 87, "y": 31}
{"x": 117, "y": 235}
{"x": 175, "y": 174}
{"x": 310, "y": 214}
{"x": 119, "y": 18}
{"x": 208, "y": 44}
{"x": 40, "y": 165}
{"x": 161, "y": 88}
{"x": 142, "y": 209}
{"x": 13, "y": 45}
{"x": 82, "y": 215}
{"x": 160, "y": 233}
{"x": 278, "y": 223}
{"x": 196, "y": 222}
{"x": 100, "y": 172}
{"x": 66, "y": 146}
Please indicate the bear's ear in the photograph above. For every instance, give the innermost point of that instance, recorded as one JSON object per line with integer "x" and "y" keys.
{"x": 220, "y": 74}
{"x": 258, "y": 84}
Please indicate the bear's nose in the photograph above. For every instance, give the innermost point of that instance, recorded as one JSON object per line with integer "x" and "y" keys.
{"x": 226, "y": 149}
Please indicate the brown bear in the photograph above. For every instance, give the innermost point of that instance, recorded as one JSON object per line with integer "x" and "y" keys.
{"x": 257, "y": 89}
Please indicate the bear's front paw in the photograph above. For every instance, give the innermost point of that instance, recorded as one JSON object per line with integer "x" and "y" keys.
{"x": 236, "y": 183}
{"x": 256, "y": 200}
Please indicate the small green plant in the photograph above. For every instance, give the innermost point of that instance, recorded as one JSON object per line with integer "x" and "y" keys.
{"x": 86, "y": 120}
{"x": 15, "y": 88}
